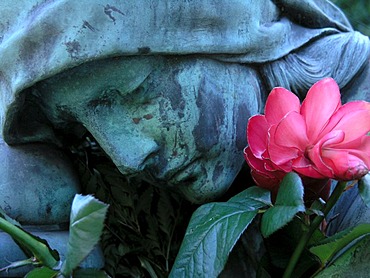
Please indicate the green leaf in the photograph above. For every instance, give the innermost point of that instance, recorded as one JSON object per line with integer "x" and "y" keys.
{"x": 364, "y": 189}
{"x": 31, "y": 244}
{"x": 9, "y": 219}
{"x": 281, "y": 244}
{"x": 43, "y": 272}
{"x": 213, "y": 231}
{"x": 289, "y": 201}
{"x": 16, "y": 264}
{"x": 331, "y": 246}
{"x": 165, "y": 214}
{"x": 146, "y": 264}
{"x": 353, "y": 262}
{"x": 317, "y": 207}
{"x": 86, "y": 226}
{"x": 254, "y": 197}
{"x": 24, "y": 247}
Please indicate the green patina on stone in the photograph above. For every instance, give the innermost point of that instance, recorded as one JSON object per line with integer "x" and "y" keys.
{"x": 166, "y": 87}
{"x": 37, "y": 184}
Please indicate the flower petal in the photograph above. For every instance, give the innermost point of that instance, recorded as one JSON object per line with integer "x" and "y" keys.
{"x": 316, "y": 152}
{"x": 291, "y": 132}
{"x": 303, "y": 166}
{"x": 257, "y": 134}
{"x": 269, "y": 183}
{"x": 263, "y": 178}
{"x": 253, "y": 162}
{"x": 279, "y": 103}
{"x": 354, "y": 121}
{"x": 280, "y": 156}
{"x": 345, "y": 165}
{"x": 359, "y": 148}
{"x": 321, "y": 102}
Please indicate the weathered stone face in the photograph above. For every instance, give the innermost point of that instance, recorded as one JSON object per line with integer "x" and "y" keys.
{"x": 174, "y": 122}
{"x": 170, "y": 116}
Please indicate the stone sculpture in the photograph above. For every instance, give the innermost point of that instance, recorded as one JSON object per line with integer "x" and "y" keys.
{"x": 166, "y": 87}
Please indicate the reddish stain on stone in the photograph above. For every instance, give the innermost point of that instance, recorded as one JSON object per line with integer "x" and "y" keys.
{"x": 136, "y": 120}
{"x": 148, "y": 116}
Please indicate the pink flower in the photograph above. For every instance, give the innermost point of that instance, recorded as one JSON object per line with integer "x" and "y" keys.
{"x": 319, "y": 139}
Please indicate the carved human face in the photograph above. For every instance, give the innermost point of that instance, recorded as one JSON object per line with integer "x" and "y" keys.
{"x": 174, "y": 122}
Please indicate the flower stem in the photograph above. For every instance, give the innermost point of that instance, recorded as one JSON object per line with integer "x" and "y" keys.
{"x": 314, "y": 225}
{"x": 39, "y": 249}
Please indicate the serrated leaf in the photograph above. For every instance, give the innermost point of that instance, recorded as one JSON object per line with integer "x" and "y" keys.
{"x": 153, "y": 233}
{"x": 165, "y": 213}
{"x": 8, "y": 218}
{"x": 145, "y": 201}
{"x": 86, "y": 226}
{"x": 213, "y": 231}
{"x": 31, "y": 244}
{"x": 364, "y": 189}
{"x": 351, "y": 263}
{"x": 254, "y": 197}
{"x": 289, "y": 202}
{"x": 43, "y": 272}
{"x": 329, "y": 247}
{"x": 146, "y": 264}
{"x": 316, "y": 207}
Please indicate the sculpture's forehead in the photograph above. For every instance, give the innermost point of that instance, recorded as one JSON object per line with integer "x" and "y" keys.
{"x": 39, "y": 39}
{"x": 89, "y": 80}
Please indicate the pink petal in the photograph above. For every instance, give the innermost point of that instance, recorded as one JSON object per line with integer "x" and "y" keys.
{"x": 355, "y": 122}
{"x": 262, "y": 166}
{"x": 264, "y": 178}
{"x": 280, "y": 156}
{"x": 345, "y": 165}
{"x": 322, "y": 100}
{"x": 359, "y": 148}
{"x": 269, "y": 165}
{"x": 253, "y": 161}
{"x": 279, "y": 103}
{"x": 257, "y": 134}
{"x": 315, "y": 154}
{"x": 269, "y": 183}
{"x": 303, "y": 166}
{"x": 291, "y": 132}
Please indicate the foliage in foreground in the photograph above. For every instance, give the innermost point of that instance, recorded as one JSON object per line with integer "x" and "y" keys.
{"x": 145, "y": 225}
{"x": 286, "y": 225}
{"x": 86, "y": 225}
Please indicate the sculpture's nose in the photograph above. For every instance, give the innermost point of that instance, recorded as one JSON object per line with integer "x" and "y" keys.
{"x": 129, "y": 148}
{"x": 128, "y": 152}
{"x": 134, "y": 155}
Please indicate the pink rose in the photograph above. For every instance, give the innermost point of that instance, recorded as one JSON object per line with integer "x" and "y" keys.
{"x": 319, "y": 139}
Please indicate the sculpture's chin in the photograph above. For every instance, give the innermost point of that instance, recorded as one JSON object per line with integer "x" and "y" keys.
{"x": 200, "y": 190}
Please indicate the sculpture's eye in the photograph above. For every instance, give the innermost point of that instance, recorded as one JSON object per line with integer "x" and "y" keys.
{"x": 106, "y": 99}
{"x": 141, "y": 96}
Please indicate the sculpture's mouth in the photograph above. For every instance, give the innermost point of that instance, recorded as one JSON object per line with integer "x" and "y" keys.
{"x": 187, "y": 173}
{"x": 177, "y": 176}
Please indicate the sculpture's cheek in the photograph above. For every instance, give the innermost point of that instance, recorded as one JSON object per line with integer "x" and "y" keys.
{"x": 208, "y": 181}
{"x": 126, "y": 135}
{"x": 211, "y": 119}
